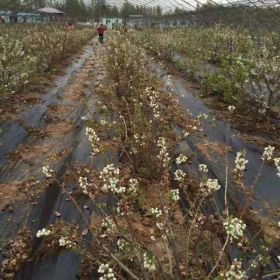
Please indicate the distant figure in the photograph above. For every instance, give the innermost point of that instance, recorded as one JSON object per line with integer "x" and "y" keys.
{"x": 70, "y": 27}
{"x": 13, "y": 19}
{"x": 101, "y": 30}
{"x": 125, "y": 28}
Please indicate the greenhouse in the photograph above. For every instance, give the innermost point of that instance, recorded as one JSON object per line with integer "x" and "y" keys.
{"x": 140, "y": 139}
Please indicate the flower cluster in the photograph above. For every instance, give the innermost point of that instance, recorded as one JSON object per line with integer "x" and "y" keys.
{"x": 174, "y": 195}
{"x": 107, "y": 272}
{"x": 149, "y": 262}
{"x": 181, "y": 159}
{"x": 186, "y": 134}
{"x": 203, "y": 168}
{"x": 83, "y": 182}
{"x": 108, "y": 225}
{"x": 202, "y": 116}
{"x": 240, "y": 161}
{"x": 235, "y": 272}
{"x": 104, "y": 122}
{"x": 122, "y": 244}
{"x": 179, "y": 175}
{"x": 277, "y": 164}
{"x": 231, "y": 108}
{"x": 268, "y": 153}
{"x": 65, "y": 242}
{"x": 156, "y": 212}
{"x": 133, "y": 185}
{"x": 93, "y": 139}
{"x": 47, "y": 171}
{"x": 43, "y": 232}
{"x": 163, "y": 153}
{"x": 234, "y": 228}
{"x": 140, "y": 139}
{"x": 210, "y": 186}
{"x": 153, "y": 97}
{"x": 110, "y": 179}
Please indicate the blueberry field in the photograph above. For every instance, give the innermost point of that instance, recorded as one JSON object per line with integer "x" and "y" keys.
{"x": 151, "y": 154}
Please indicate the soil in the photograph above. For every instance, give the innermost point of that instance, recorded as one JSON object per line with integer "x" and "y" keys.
{"x": 260, "y": 132}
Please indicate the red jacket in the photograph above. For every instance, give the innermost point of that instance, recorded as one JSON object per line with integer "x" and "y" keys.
{"x": 101, "y": 30}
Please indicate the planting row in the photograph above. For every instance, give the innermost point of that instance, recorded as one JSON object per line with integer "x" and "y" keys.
{"x": 241, "y": 67}
{"x": 27, "y": 52}
{"x": 142, "y": 232}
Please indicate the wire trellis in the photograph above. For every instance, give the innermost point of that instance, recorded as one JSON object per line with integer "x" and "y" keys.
{"x": 251, "y": 14}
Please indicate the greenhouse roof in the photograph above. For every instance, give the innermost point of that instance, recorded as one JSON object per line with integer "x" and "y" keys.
{"x": 50, "y": 10}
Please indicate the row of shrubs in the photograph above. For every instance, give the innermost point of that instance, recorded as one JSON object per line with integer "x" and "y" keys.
{"x": 28, "y": 51}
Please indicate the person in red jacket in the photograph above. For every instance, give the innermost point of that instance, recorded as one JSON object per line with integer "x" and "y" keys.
{"x": 70, "y": 27}
{"x": 101, "y": 30}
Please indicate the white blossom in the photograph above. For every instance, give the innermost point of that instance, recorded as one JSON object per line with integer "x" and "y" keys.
{"x": 179, "y": 175}
{"x": 110, "y": 179}
{"x": 83, "y": 182}
{"x": 156, "y": 212}
{"x": 47, "y": 171}
{"x": 133, "y": 185}
{"x": 235, "y": 272}
{"x": 163, "y": 153}
{"x": 65, "y": 242}
{"x": 234, "y": 228}
{"x": 153, "y": 100}
{"x": 231, "y": 108}
{"x": 202, "y": 116}
{"x": 43, "y": 232}
{"x": 240, "y": 161}
{"x": 104, "y": 122}
{"x": 203, "y": 168}
{"x": 106, "y": 272}
{"x": 174, "y": 195}
{"x": 181, "y": 159}
{"x": 149, "y": 262}
{"x": 122, "y": 244}
{"x": 186, "y": 134}
{"x": 93, "y": 139}
{"x": 108, "y": 225}
{"x": 210, "y": 186}
{"x": 268, "y": 153}
{"x": 277, "y": 164}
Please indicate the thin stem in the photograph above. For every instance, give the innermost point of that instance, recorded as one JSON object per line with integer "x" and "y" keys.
{"x": 219, "y": 258}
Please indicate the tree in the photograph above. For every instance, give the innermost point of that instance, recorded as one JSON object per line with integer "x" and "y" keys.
{"x": 158, "y": 11}
{"x": 115, "y": 11}
{"x": 128, "y": 9}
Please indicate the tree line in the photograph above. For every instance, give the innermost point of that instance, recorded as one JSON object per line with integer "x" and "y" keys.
{"x": 78, "y": 10}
